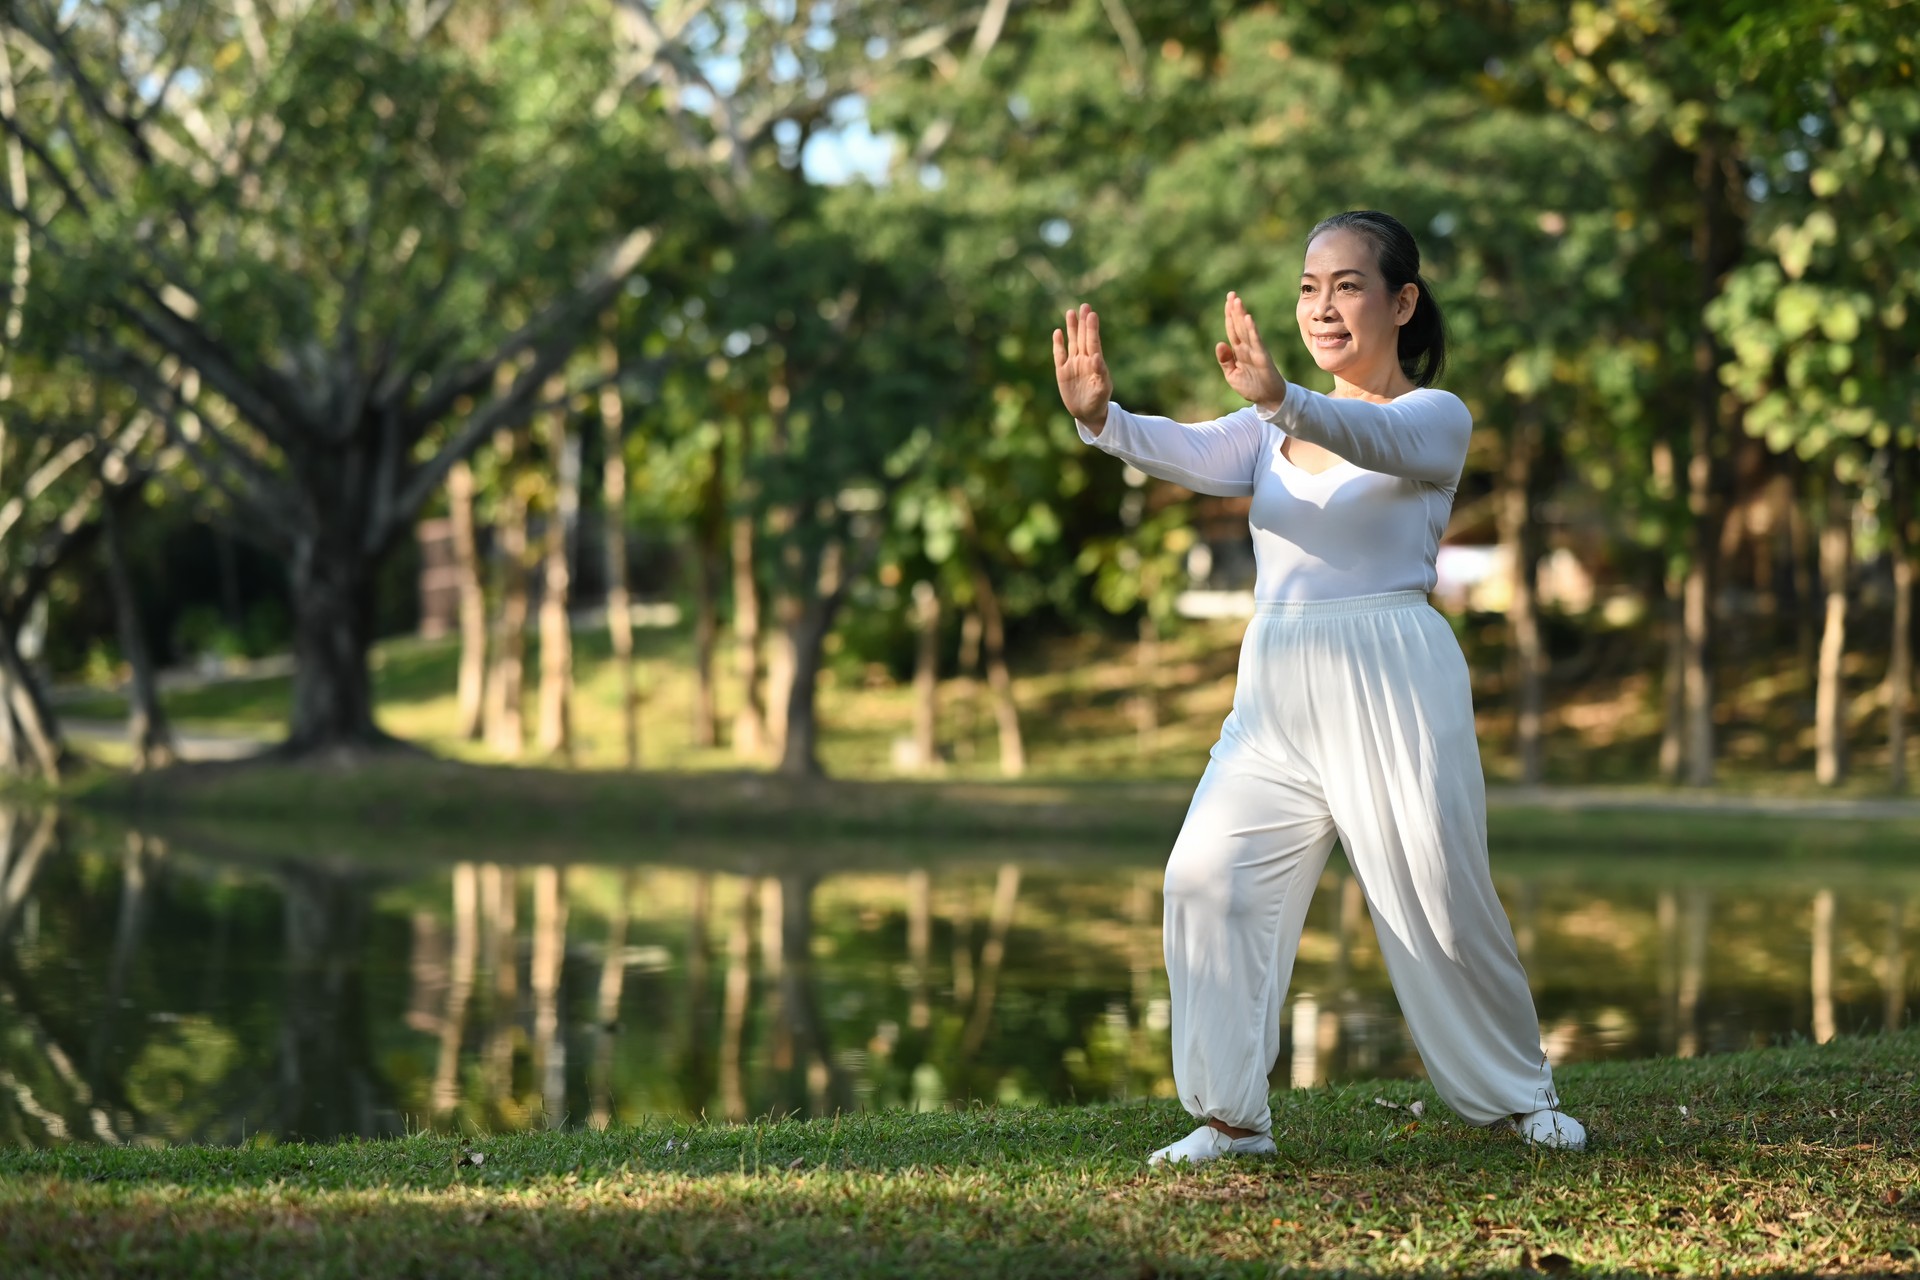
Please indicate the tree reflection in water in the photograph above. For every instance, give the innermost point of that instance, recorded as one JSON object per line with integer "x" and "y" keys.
{"x": 231, "y": 996}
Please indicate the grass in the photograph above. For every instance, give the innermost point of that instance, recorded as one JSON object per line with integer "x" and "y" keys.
{"x": 1082, "y": 711}
{"x": 1794, "y": 1160}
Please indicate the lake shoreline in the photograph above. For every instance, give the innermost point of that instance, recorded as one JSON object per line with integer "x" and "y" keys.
{"x": 445, "y": 810}
{"x": 1791, "y": 1160}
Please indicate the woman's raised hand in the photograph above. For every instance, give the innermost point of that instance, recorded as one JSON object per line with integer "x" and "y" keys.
{"x": 1244, "y": 360}
{"x": 1086, "y": 387}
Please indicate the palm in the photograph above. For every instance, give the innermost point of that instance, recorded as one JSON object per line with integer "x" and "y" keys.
{"x": 1244, "y": 360}
{"x": 1080, "y": 366}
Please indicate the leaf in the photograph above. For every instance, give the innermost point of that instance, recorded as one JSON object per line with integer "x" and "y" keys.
{"x": 796, "y": 1162}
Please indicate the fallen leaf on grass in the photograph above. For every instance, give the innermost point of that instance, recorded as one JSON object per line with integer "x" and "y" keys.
{"x": 470, "y": 1156}
{"x": 796, "y": 1162}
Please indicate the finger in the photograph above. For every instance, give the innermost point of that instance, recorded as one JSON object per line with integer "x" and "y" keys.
{"x": 1059, "y": 351}
{"x": 1073, "y": 332}
{"x": 1224, "y": 354}
{"x": 1093, "y": 332}
{"x": 1253, "y": 333}
{"x": 1238, "y": 307}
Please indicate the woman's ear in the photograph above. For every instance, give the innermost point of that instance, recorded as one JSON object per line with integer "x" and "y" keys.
{"x": 1406, "y": 302}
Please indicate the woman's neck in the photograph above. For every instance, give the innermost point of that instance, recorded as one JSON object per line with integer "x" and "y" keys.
{"x": 1378, "y": 385}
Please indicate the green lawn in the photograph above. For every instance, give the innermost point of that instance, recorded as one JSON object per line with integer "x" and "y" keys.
{"x": 1081, "y": 707}
{"x": 1795, "y": 1160}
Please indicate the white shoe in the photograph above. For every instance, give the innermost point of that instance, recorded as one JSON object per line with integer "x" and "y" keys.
{"x": 1550, "y": 1128}
{"x": 1208, "y": 1143}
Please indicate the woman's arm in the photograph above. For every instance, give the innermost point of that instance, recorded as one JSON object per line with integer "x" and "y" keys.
{"x": 1220, "y": 458}
{"x": 1420, "y": 436}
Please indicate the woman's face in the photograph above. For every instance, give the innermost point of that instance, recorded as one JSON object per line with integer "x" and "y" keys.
{"x": 1348, "y": 319}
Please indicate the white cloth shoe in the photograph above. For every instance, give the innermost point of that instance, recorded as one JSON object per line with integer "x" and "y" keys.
{"x": 1208, "y": 1143}
{"x": 1550, "y": 1128}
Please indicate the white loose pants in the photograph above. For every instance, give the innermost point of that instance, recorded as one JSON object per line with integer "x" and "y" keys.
{"x": 1352, "y": 718}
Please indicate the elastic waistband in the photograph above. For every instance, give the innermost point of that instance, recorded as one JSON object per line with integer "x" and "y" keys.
{"x": 1384, "y": 602}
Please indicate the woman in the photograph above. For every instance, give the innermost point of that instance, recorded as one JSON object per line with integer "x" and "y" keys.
{"x": 1352, "y": 718}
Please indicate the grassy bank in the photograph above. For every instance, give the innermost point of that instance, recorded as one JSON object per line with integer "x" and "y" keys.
{"x": 415, "y": 808}
{"x": 1083, "y": 710}
{"x": 1796, "y": 1160}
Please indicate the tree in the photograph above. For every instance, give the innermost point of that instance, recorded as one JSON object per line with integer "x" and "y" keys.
{"x": 336, "y": 231}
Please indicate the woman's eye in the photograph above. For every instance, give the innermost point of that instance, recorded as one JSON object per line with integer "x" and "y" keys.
{"x": 1350, "y": 288}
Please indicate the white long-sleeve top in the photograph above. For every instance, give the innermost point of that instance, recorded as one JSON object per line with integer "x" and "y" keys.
{"x": 1370, "y": 524}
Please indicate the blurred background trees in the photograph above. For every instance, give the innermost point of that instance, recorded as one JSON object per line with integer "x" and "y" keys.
{"x": 540, "y": 322}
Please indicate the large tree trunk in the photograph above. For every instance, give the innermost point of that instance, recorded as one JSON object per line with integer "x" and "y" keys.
{"x": 749, "y": 723}
{"x": 613, "y": 488}
{"x": 148, "y": 736}
{"x": 1013, "y": 748}
{"x": 1900, "y": 663}
{"x": 1520, "y": 534}
{"x": 507, "y": 678}
{"x": 332, "y": 580}
{"x": 926, "y": 676}
{"x": 556, "y": 630}
{"x": 1829, "y": 702}
{"x": 473, "y": 602}
{"x": 805, "y": 639}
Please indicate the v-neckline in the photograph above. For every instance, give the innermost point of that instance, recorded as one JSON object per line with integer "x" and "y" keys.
{"x": 1280, "y": 451}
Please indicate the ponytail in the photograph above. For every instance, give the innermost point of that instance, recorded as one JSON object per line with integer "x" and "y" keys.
{"x": 1423, "y": 338}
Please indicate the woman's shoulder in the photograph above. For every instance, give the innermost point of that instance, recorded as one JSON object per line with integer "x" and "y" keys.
{"x": 1437, "y": 401}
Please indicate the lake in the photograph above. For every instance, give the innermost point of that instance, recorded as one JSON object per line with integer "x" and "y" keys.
{"x": 166, "y": 989}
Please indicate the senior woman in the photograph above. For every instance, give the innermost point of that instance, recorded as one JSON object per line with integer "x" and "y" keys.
{"x": 1352, "y": 718}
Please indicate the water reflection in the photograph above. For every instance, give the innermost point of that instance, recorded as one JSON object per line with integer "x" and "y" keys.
{"x": 153, "y": 992}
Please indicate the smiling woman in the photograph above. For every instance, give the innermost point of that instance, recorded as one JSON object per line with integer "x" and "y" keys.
{"x": 1353, "y": 717}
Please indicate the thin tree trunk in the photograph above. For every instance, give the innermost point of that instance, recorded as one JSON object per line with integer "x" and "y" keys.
{"x": 1900, "y": 663}
{"x": 1824, "y": 1026}
{"x": 711, "y": 536}
{"x": 827, "y": 1085}
{"x": 1013, "y": 750}
{"x": 926, "y": 676}
{"x": 613, "y": 980}
{"x": 750, "y": 724}
{"x": 460, "y": 973}
{"x": 1800, "y": 544}
{"x": 556, "y": 629}
{"x": 613, "y": 488}
{"x": 506, "y": 681}
{"x": 473, "y": 602}
{"x": 544, "y": 969}
{"x": 1520, "y": 533}
{"x": 32, "y": 739}
{"x": 919, "y": 945}
{"x": 147, "y": 732}
{"x": 1710, "y": 246}
{"x": 784, "y": 660}
{"x": 1674, "y": 686}
{"x": 966, "y": 690}
{"x": 733, "y": 1007}
{"x": 1006, "y": 895}
{"x": 1830, "y": 707}
{"x": 803, "y": 637}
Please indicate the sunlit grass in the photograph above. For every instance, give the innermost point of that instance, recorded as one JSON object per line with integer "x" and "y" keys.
{"x": 1786, "y": 1161}
{"x": 1082, "y": 707}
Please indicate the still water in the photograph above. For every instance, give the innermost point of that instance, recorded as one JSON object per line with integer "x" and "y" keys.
{"x": 154, "y": 990}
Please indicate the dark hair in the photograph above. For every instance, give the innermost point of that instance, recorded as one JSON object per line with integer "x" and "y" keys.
{"x": 1423, "y": 338}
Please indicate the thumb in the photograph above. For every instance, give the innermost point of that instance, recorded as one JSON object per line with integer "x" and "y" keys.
{"x": 1223, "y": 352}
